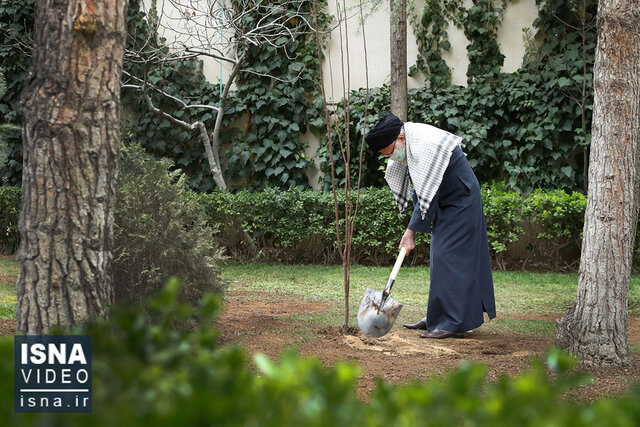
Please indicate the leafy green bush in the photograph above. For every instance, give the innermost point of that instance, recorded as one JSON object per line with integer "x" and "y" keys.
{"x": 158, "y": 232}
{"x": 299, "y": 225}
{"x": 288, "y": 226}
{"x": 151, "y": 367}
{"x": 10, "y": 199}
{"x": 505, "y": 211}
{"x": 4, "y": 128}
{"x": 379, "y": 228}
{"x": 559, "y": 218}
{"x": 16, "y": 26}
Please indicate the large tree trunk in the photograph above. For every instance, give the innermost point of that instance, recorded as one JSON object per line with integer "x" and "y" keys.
{"x": 71, "y": 128}
{"x": 398, "y": 53}
{"x": 595, "y": 327}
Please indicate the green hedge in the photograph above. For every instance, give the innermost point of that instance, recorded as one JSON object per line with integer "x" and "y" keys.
{"x": 10, "y": 198}
{"x": 559, "y": 220}
{"x": 299, "y": 226}
{"x": 151, "y": 367}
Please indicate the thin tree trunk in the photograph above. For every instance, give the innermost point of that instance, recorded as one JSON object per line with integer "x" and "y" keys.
{"x": 346, "y": 265}
{"x": 71, "y": 128}
{"x": 595, "y": 327}
{"x": 398, "y": 53}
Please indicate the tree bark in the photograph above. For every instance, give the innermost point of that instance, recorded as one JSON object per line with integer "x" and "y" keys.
{"x": 595, "y": 327}
{"x": 71, "y": 128}
{"x": 398, "y": 53}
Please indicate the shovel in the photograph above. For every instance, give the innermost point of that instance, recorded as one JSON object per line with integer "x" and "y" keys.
{"x": 378, "y": 310}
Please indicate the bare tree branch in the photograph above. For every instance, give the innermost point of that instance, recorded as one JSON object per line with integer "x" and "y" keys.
{"x": 223, "y": 32}
{"x": 163, "y": 93}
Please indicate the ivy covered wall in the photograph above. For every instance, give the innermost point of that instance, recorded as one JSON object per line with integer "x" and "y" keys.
{"x": 530, "y": 128}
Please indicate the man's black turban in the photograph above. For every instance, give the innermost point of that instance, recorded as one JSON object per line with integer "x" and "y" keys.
{"x": 384, "y": 132}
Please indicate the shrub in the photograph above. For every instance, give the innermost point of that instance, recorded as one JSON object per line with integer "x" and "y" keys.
{"x": 288, "y": 226}
{"x": 379, "y": 228}
{"x": 505, "y": 211}
{"x": 10, "y": 198}
{"x": 159, "y": 232}
{"x": 559, "y": 218}
{"x": 299, "y": 225}
{"x": 147, "y": 371}
{"x": 4, "y": 128}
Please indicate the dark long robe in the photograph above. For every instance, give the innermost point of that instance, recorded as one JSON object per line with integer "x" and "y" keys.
{"x": 460, "y": 266}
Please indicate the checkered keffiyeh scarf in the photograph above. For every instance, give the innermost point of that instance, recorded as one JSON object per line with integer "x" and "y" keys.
{"x": 428, "y": 152}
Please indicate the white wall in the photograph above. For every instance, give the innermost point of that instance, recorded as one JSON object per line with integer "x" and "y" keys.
{"x": 519, "y": 14}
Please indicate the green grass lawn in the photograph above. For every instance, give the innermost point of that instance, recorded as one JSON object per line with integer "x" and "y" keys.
{"x": 517, "y": 293}
{"x": 9, "y": 269}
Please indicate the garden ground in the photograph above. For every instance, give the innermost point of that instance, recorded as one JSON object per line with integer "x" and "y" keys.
{"x": 271, "y": 323}
{"x": 270, "y": 308}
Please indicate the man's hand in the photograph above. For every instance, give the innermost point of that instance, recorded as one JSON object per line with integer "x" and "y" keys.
{"x": 408, "y": 241}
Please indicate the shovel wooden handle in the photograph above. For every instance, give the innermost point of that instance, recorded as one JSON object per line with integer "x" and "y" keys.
{"x": 394, "y": 272}
{"x": 398, "y": 264}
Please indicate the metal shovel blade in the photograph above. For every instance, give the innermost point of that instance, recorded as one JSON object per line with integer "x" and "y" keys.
{"x": 374, "y": 320}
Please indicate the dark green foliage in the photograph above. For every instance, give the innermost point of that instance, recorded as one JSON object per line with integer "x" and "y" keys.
{"x": 299, "y": 226}
{"x": 280, "y": 222}
{"x": 3, "y": 83}
{"x": 523, "y": 130}
{"x": 152, "y": 367}
{"x": 464, "y": 397}
{"x": 159, "y": 232}
{"x": 559, "y": 218}
{"x": 280, "y": 96}
{"x": 10, "y": 199}
{"x": 505, "y": 213}
{"x": 16, "y": 24}
{"x": 379, "y": 228}
{"x": 5, "y": 128}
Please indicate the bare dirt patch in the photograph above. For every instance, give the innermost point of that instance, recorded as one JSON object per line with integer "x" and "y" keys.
{"x": 7, "y": 327}
{"x": 270, "y": 324}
